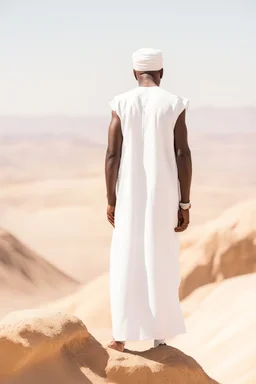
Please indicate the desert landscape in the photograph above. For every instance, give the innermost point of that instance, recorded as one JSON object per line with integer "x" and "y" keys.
{"x": 54, "y": 257}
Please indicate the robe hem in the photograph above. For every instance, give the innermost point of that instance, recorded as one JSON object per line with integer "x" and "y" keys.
{"x": 151, "y": 337}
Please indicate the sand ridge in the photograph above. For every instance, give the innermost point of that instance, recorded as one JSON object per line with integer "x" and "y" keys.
{"x": 26, "y": 278}
{"x": 221, "y": 329}
{"x": 220, "y": 249}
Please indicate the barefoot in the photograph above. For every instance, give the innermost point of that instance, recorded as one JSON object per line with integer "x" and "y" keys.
{"x": 117, "y": 345}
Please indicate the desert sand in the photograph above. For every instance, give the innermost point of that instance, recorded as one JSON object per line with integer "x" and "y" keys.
{"x": 52, "y": 189}
{"x": 26, "y": 278}
{"x": 224, "y": 248}
{"x": 221, "y": 330}
{"x": 41, "y": 345}
{"x": 47, "y": 347}
{"x": 220, "y": 321}
{"x": 54, "y": 260}
{"x": 219, "y": 249}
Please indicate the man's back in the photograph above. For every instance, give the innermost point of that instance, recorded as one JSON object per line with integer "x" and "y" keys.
{"x": 144, "y": 103}
{"x": 148, "y": 116}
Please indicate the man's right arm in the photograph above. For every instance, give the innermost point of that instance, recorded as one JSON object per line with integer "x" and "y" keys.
{"x": 183, "y": 157}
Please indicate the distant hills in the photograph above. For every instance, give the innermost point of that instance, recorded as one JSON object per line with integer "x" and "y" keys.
{"x": 93, "y": 129}
{"x": 221, "y": 139}
{"x": 223, "y": 120}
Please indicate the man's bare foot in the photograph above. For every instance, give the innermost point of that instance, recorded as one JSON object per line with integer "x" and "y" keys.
{"x": 117, "y": 345}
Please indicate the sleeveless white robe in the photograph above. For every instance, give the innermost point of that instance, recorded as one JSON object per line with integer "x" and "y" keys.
{"x": 144, "y": 270}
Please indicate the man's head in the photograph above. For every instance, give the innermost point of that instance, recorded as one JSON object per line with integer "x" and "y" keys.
{"x": 148, "y": 62}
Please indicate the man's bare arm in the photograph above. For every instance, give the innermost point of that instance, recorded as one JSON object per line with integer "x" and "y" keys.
{"x": 183, "y": 157}
{"x": 113, "y": 156}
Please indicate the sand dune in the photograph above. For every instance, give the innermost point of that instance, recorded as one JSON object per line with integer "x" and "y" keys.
{"x": 220, "y": 320}
{"x": 221, "y": 324}
{"x": 52, "y": 344}
{"x": 192, "y": 302}
{"x": 221, "y": 331}
{"x": 221, "y": 249}
{"x": 26, "y": 278}
{"x": 224, "y": 248}
{"x": 47, "y": 347}
{"x": 90, "y": 303}
{"x": 64, "y": 220}
{"x": 53, "y": 195}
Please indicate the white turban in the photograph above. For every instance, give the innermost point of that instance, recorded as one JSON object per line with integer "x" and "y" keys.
{"x": 147, "y": 59}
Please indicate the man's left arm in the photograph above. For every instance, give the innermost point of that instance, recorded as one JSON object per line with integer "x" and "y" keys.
{"x": 112, "y": 163}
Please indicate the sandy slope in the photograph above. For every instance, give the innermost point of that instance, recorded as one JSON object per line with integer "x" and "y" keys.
{"x": 220, "y": 249}
{"x": 90, "y": 303}
{"x": 221, "y": 320}
{"x": 64, "y": 219}
{"x": 53, "y": 197}
{"x": 221, "y": 330}
{"x": 221, "y": 325}
{"x": 49, "y": 347}
{"x": 26, "y": 278}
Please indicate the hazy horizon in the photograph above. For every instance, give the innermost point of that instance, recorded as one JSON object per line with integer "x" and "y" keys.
{"x": 107, "y": 114}
{"x": 208, "y": 120}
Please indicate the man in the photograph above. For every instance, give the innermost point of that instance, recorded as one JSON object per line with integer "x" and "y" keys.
{"x": 148, "y": 177}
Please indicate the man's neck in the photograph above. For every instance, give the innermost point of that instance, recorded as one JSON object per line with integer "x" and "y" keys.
{"x": 147, "y": 81}
{"x": 147, "y": 84}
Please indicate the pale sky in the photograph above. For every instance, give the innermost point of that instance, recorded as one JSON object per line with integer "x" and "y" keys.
{"x": 70, "y": 57}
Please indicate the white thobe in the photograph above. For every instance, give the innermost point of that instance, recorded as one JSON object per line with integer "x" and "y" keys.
{"x": 144, "y": 270}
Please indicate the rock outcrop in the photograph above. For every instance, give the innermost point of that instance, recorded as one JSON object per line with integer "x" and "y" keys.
{"x": 47, "y": 347}
{"x": 33, "y": 335}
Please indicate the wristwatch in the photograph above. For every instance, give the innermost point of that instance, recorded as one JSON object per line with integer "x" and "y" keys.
{"x": 185, "y": 206}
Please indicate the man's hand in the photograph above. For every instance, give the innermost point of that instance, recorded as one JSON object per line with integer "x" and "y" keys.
{"x": 183, "y": 220}
{"x": 111, "y": 214}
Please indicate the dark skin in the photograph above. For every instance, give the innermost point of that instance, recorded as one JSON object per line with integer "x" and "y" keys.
{"x": 149, "y": 78}
{"x": 182, "y": 151}
{"x": 184, "y": 165}
{"x": 112, "y": 162}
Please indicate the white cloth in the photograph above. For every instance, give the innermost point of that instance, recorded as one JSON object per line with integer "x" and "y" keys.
{"x": 147, "y": 59}
{"x": 158, "y": 342}
{"x": 144, "y": 271}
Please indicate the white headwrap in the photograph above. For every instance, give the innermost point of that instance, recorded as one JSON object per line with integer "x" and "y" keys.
{"x": 147, "y": 59}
